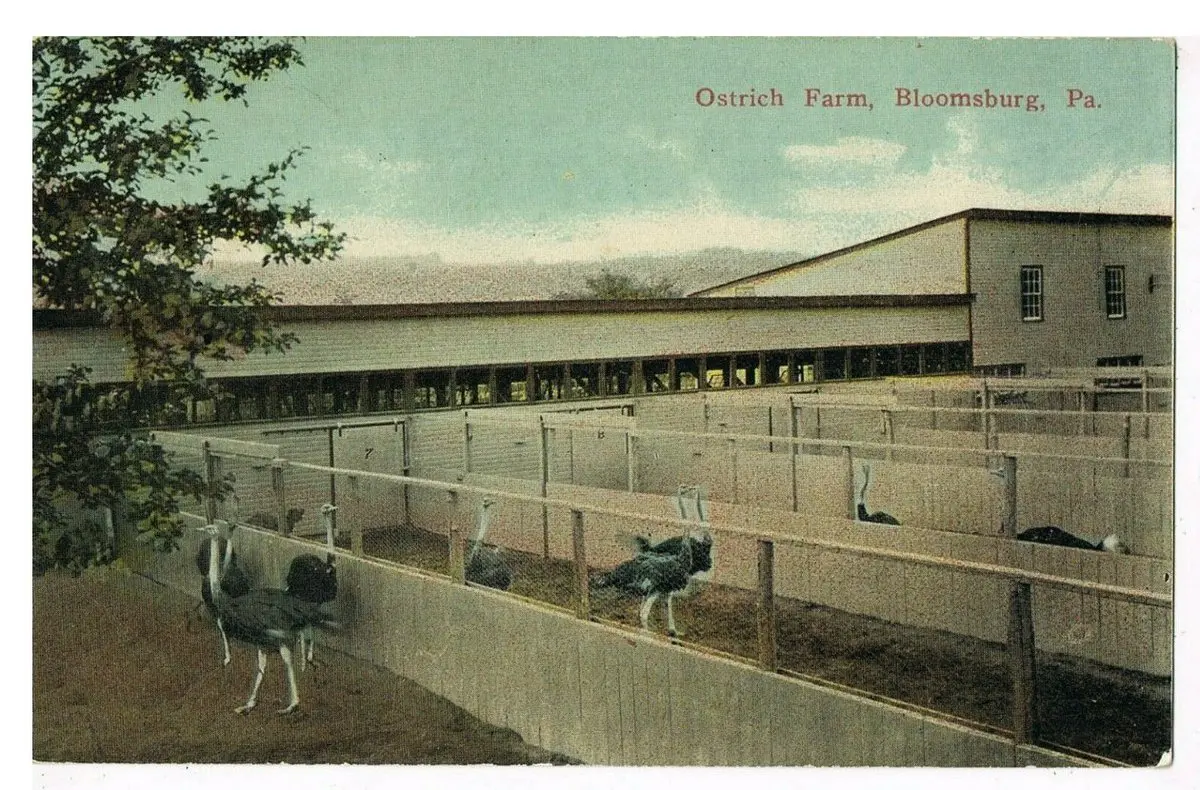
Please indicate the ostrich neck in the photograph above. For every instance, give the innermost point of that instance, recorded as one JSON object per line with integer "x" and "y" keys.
{"x": 214, "y": 567}
{"x": 485, "y": 517}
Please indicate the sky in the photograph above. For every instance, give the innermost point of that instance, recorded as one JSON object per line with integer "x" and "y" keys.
{"x": 479, "y": 150}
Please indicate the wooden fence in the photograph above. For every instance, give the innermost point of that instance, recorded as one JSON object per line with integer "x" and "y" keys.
{"x": 601, "y": 694}
{"x": 992, "y": 589}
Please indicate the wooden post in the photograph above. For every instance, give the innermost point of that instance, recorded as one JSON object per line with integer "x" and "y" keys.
{"x": 332, "y": 480}
{"x": 851, "y": 503}
{"x": 638, "y": 385}
{"x": 1126, "y": 431}
{"x": 889, "y": 427}
{"x": 1021, "y": 662}
{"x": 582, "y": 602}
{"x": 985, "y": 412}
{"x": 796, "y": 448}
{"x": 1020, "y": 625}
{"x": 544, "y": 475}
{"x": 280, "y": 496}
{"x": 356, "y": 536}
{"x": 989, "y": 419}
{"x": 767, "y": 654}
{"x": 466, "y": 451}
{"x": 733, "y": 469}
{"x": 770, "y": 428}
{"x": 630, "y": 464}
{"x": 571, "y": 455}
{"x": 1145, "y": 390}
{"x": 458, "y": 555}
{"x": 210, "y": 483}
{"x": 364, "y": 394}
{"x": 1009, "y": 468}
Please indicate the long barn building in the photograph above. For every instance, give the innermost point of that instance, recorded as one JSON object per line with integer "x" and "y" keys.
{"x": 985, "y": 290}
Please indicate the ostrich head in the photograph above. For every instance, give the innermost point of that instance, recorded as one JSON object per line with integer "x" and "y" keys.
{"x": 218, "y": 529}
{"x": 1113, "y": 543}
{"x": 327, "y": 509}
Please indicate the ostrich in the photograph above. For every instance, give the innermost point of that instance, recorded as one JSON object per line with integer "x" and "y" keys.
{"x": 263, "y": 618}
{"x": 234, "y": 584}
{"x": 700, "y": 546}
{"x": 1057, "y": 536}
{"x": 653, "y": 574}
{"x": 313, "y": 580}
{"x": 879, "y": 517}
{"x": 485, "y": 566}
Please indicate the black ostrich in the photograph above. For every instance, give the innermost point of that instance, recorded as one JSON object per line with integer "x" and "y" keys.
{"x": 234, "y": 583}
{"x": 313, "y": 580}
{"x": 653, "y": 574}
{"x": 1056, "y": 536}
{"x": 262, "y": 618}
{"x": 701, "y": 547}
{"x": 485, "y": 565}
{"x": 863, "y": 514}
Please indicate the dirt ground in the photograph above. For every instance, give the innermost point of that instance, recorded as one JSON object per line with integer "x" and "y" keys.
{"x": 1121, "y": 715}
{"x": 125, "y": 671}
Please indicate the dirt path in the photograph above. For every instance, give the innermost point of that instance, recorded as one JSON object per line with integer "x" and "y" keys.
{"x": 125, "y": 671}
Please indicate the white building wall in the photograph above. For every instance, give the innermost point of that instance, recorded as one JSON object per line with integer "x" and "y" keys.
{"x": 453, "y": 341}
{"x": 1076, "y": 330}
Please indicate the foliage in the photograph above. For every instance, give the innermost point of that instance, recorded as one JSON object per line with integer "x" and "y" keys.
{"x": 611, "y": 285}
{"x": 102, "y": 242}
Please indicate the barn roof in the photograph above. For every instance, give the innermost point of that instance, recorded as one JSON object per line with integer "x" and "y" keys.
{"x": 54, "y": 319}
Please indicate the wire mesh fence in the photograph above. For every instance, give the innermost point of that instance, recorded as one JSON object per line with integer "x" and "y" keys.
{"x": 846, "y": 607}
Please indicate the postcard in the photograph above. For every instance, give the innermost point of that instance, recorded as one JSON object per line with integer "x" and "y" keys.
{"x": 646, "y": 401}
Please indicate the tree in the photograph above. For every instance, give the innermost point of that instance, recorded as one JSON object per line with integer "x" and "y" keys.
{"x": 104, "y": 243}
{"x": 610, "y": 285}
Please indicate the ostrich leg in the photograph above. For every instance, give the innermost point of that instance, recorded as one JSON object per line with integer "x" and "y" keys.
{"x": 646, "y": 607}
{"x": 670, "y": 614}
{"x": 262, "y": 670}
{"x": 306, "y": 638}
{"x": 224, "y": 642}
{"x": 285, "y": 653}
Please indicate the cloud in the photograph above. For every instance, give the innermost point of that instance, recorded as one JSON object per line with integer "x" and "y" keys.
{"x": 957, "y": 180}
{"x": 661, "y": 232}
{"x": 380, "y": 163}
{"x": 847, "y": 150}
{"x": 814, "y": 219}
{"x": 670, "y": 147}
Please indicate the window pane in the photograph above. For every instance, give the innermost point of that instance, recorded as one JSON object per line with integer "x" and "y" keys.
{"x": 1031, "y": 292}
{"x": 1114, "y": 291}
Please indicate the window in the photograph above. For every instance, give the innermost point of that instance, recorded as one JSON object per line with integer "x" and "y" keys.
{"x": 1001, "y": 371}
{"x": 1128, "y": 361}
{"x": 1114, "y": 291}
{"x": 1031, "y": 293}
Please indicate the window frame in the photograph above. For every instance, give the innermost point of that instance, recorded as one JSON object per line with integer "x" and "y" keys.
{"x": 1040, "y": 295}
{"x": 1110, "y": 292}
